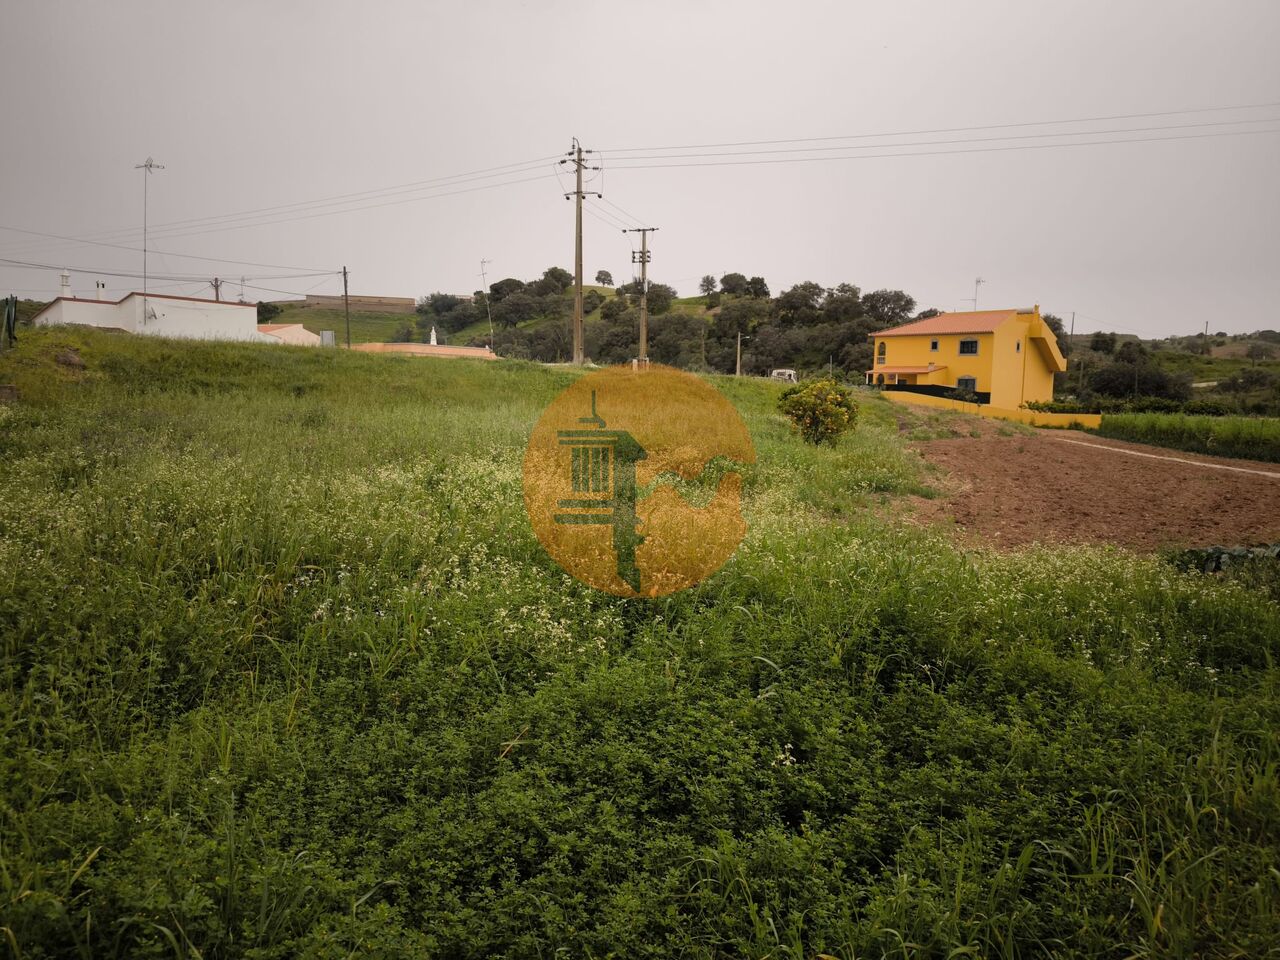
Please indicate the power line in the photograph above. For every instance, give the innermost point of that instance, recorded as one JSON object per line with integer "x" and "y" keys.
{"x": 370, "y": 206}
{"x": 232, "y": 221}
{"x": 292, "y": 293}
{"x": 167, "y": 253}
{"x": 600, "y": 214}
{"x": 931, "y": 143}
{"x": 188, "y": 278}
{"x": 938, "y": 153}
{"x": 254, "y": 213}
{"x": 990, "y": 126}
{"x": 631, "y": 216}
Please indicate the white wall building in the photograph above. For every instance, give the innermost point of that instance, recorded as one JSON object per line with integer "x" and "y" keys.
{"x": 160, "y": 315}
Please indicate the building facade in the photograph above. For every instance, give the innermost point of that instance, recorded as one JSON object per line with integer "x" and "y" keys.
{"x": 160, "y": 315}
{"x": 1006, "y": 357}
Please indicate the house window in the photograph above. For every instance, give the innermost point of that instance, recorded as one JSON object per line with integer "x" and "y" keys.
{"x": 933, "y": 345}
{"x": 968, "y": 348}
{"x": 967, "y": 383}
{"x": 880, "y": 351}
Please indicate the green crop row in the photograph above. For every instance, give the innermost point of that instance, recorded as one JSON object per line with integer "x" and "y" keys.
{"x": 1254, "y": 438}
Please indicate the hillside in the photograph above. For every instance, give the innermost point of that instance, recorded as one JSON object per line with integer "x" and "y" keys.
{"x": 367, "y": 326}
{"x": 286, "y": 673}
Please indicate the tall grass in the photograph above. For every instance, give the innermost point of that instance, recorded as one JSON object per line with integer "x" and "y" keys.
{"x": 1254, "y": 438}
{"x": 286, "y": 673}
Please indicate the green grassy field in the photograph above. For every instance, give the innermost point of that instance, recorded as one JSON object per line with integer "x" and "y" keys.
{"x": 287, "y": 674}
{"x": 1254, "y": 438}
{"x": 367, "y": 326}
{"x": 1204, "y": 369}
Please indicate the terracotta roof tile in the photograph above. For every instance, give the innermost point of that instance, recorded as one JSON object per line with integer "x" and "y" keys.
{"x": 981, "y": 321}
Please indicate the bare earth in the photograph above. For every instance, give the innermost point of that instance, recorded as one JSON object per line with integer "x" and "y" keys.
{"x": 1015, "y": 490}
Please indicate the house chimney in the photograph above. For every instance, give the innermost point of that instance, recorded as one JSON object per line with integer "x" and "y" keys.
{"x": 66, "y": 285}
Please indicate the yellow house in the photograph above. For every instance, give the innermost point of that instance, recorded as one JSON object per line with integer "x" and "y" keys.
{"x": 1006, "y": 357}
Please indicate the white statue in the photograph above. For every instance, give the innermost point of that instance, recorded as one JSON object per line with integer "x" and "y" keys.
{"x": 433, "y": 334}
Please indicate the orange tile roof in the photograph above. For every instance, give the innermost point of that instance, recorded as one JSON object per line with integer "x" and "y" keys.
{"x": 273, "y": 327}
{"x": 981, "y": 321}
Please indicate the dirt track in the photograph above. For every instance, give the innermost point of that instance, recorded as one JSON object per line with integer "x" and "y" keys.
{"x": 1014, "y": 490}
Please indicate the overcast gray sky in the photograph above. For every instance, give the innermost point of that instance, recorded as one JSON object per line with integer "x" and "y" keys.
{"x": 255, "y": 105}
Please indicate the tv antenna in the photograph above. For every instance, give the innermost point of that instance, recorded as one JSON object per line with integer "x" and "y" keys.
{"x": 148, "y": 167}
{"x": 488, "y": 308}
{"x": 977, "y": 282}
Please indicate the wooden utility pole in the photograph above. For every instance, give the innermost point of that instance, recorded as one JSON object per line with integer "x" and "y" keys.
{"x": 346, "y": 305}
{"x": 217, "y": 289}
{"x": 575, "y": 156}
{"x": 642, "y": 258}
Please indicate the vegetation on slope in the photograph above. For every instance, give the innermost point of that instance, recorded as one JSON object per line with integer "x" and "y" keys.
{"x": 367, "y": 326}
{"x": 285, "y": 673}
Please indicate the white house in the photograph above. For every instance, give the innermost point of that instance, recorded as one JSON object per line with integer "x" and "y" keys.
{"x": 160, "y": 315}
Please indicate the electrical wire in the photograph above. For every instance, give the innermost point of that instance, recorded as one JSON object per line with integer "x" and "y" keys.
{"x": 168, "y": 253}
{"x": 591, "y": 213}
{"x": 932, "y": 143}
{"x": 395, "y": 189}
{"x": 938, "y": 153}
{"x": 991, "y": 126}
{"x": 186, "y": 278}
{"x": 631, "y": 216}
{"x": 347, "y": 206}
{"x": 600, "y": 214}
{"x": 370, "y": 206}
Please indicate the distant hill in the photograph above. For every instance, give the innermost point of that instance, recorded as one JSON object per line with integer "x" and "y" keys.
{"x": 367, "y": 326}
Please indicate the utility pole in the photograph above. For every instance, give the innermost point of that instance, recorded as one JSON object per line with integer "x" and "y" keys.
{"x": 737, "y": 370}
{"x": 575, "y": 156}
{"x": 147, "y": 167}
{"x": 977, "y": 282}
{"x": 217, "y": 289}
{"x": 642, "y": 258}
{"x": 1206, "y": 338}
{"x": 346, "y": 305}
{"x": 488, "y": 308}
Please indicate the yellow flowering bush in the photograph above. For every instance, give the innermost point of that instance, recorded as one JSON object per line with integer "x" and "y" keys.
{"x": 820, "y": 410}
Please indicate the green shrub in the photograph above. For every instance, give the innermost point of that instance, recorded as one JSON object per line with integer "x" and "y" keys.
{"x": 820, "y": 410}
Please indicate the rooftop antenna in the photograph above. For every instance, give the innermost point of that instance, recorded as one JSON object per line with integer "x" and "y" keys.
{"x": 487, "y": 307}
{"x": 148, "y": 167}
{"x": 977, "y": 282}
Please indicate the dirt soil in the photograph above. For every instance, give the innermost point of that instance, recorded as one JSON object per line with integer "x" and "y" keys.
{"x": 1009, "y": 491}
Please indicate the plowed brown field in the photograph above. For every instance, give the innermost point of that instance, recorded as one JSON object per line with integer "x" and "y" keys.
{"x": 1069, "y": 487}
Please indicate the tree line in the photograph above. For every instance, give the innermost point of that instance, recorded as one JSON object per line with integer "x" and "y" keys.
{"x": 805, "y": 327}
